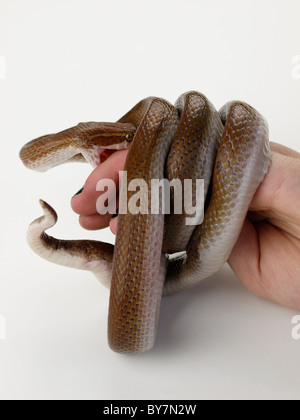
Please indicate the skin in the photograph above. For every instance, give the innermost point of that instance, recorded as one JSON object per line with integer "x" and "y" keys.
{"x": 266, "y": 257}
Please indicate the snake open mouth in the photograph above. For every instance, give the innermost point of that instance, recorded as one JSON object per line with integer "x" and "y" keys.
{"x": 105, "y": 153}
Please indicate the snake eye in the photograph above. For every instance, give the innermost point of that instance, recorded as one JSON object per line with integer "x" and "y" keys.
{"x": 129, "y": 136}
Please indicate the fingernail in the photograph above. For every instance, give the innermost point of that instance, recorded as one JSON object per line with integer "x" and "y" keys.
{"x": 115, "y": 214}
{"x": 78, "y": 192}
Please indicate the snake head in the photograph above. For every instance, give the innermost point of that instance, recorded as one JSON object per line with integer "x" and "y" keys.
{"x": 86, "y": 141}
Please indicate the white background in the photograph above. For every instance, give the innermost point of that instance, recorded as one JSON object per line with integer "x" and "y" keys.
{"x": 63, "y": 62}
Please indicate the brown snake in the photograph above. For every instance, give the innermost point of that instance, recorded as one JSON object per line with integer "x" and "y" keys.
{"x": 190, "y": 140}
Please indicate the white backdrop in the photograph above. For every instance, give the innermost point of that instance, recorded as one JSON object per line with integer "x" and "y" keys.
{"x": 62, "y": 62}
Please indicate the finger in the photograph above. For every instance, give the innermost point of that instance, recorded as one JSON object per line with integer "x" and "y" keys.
{"x": 95, "y": 221}
{"x": 113, "y": 225}
{"x": 283, "y": 150}
{"x": 244, "y": 258}
{"x": 85, "y": 203}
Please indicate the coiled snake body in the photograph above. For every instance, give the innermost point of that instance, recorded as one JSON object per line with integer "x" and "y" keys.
{"x": 190, "y": 140}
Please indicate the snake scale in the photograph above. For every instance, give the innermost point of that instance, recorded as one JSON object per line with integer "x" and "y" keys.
{"x": 229, "y": 149}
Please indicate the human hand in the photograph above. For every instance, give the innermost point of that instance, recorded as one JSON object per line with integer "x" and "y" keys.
{"x": 266, "y": 257}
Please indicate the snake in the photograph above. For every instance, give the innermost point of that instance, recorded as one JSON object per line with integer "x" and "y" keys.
{"x": 158, "y": 254}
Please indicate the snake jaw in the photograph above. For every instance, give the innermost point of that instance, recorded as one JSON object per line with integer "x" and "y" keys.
{"x": 86, "y": 140}
{"x": 95, "y": 155}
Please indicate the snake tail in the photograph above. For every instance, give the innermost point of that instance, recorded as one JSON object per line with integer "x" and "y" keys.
{"x": 88, "y": 255}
